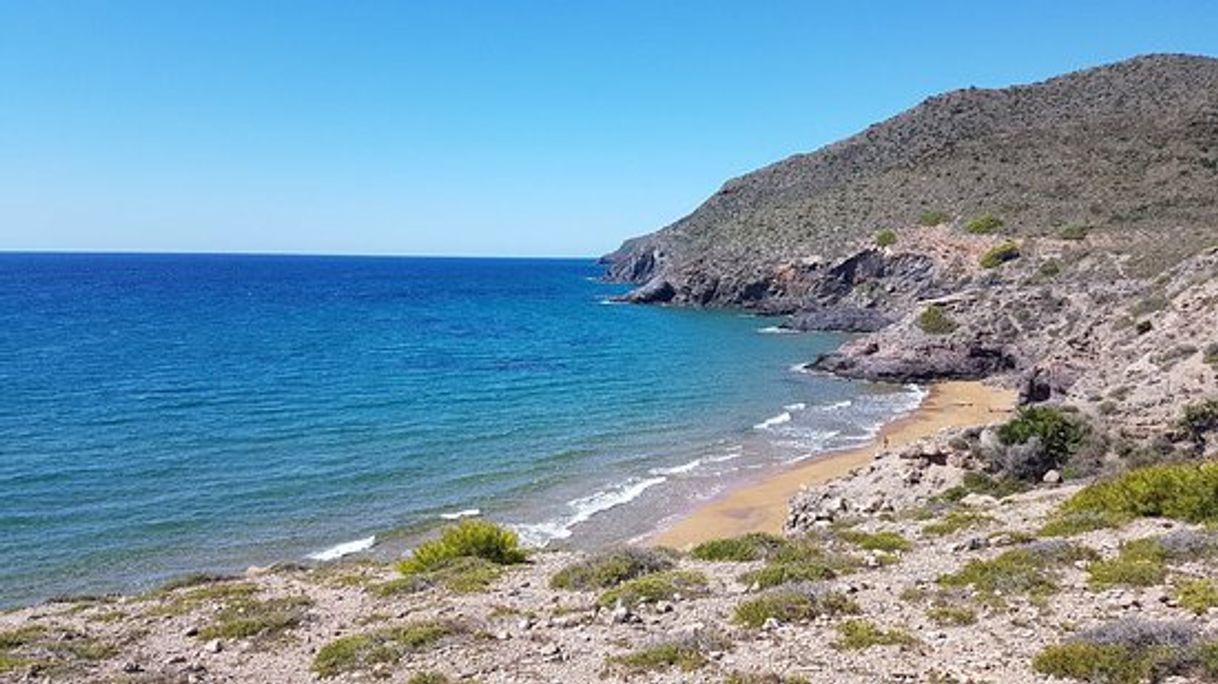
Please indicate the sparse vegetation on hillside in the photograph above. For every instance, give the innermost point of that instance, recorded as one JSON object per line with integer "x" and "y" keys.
{"x": 357, "y": 652}
{"x": 999, "y": 255}
{"x": 747, "y": 547}
{"x": 886, "y": 238}
{"x": 933, "y": 218}
{"x": 983, "y": 225}
{"x": 1073, "y": 232}
{"x": 934, "y": 321}
{"x": 611, "y": 568}
{"x": 1184, "y": 491}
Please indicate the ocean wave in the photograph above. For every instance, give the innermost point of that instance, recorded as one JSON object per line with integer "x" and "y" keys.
{"x": 784, "y": 417}
{"x": 777, "y": 330}
{"x": 845, "y": 403}
{"x": 583, "y": 508}
{"x": 678, "y": 469}
{"x": 345, "y": 549}
{"x": 464, "y": 513}
{"x": 797, "y": 406}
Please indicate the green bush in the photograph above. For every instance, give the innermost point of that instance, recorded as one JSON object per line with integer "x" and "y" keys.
{"x": 1140, "y": 563}
{"x": 1060, "y": 435}
{"x": 933, "y": 218}
{"x": 934, "y": 321}
{"x": 362, "y": 651}
{"x": 792, "y": 604}
{"x": 861, "y": 634}
{"x": 469, "y": 538}
{"x": 1182, "y": 491}
{"x": 611, "y": 568}
{"x": 886, "y": 238}
{"x": 1197, "y": 595}
{"x": 660, "y": 586}
{"x": 1050, "y": 269}
{"x": 687, "y": 653}
{"x": 955, "y": 521}
{"x": 952, "y": 615}
{"x": 245, "y": 618}
{"x": 1029, "y": 571}
{"x": 748, "y": 547}
{"x": 1109, "y": 663}
{"x": 1073, "y": 232}
{"x": 1199, "y": 419}
{"x": 797, "y": 561}
{"x": 983, "y": 225}
{"x": 1000, "y": 254}
{"x": 768, "y": 678}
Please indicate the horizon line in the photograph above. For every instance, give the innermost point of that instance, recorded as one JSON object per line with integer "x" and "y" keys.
{"x": 252, "y": 253}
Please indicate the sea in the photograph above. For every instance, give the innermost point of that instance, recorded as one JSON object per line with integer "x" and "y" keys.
{"x": 168, "y": 414}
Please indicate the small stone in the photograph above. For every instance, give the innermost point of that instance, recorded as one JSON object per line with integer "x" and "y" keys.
{"x": 1052, "y": 477}
{"x": 132, "y": 667}
{"x": 770, "y": 624}
{"x": 214, "y": 646}
{"x": 192, "y": 630}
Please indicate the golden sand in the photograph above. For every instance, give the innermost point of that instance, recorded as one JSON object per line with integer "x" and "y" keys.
{"x": 761, "y": 506}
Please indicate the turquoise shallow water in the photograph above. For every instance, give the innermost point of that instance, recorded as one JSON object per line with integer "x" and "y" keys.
{"x": 163, "y": 414}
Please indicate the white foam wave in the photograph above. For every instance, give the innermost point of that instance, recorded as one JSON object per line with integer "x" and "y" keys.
{"x": 797, "y": 406}
{"x": 678, "y": 469}
{"x": 777, "y": 330}
{"x": 611, "y": 302}
{"x": 464, "y": 513}
{"x": 837, "y": 405}
{"x": 583, "y": 508}
{"x": 784, "y": 417}
{"x": 345, "y": 549}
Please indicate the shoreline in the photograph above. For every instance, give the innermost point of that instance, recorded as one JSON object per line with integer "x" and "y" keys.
{"x": 761, "y": 505}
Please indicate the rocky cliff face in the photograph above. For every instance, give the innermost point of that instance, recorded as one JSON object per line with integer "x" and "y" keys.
{"x": 1094, "y": 284}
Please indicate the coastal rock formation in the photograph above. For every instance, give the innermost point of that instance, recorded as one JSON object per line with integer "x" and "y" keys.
{"x": 1057, "y": 236}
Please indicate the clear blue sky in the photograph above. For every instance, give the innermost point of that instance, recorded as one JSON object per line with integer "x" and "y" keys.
{"x": 506, "y": 128}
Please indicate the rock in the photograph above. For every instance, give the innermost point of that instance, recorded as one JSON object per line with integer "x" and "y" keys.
{"x": 131, "y": 667}
{"x": 1052, "y": 477}
{"x": 975, "y": 500}
{"x": 770, "y": 624}
{"x": 214, "y": 646}
{"x": 620, "y": 614}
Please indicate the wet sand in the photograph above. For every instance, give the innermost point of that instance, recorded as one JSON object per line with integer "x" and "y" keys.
{"x": 761, "y": 505}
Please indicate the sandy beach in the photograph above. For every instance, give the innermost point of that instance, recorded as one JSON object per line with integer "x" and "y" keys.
{"x": 761, "y": 505}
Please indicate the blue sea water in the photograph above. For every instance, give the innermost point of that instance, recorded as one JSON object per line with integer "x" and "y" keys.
{"x": 163, "y": 414}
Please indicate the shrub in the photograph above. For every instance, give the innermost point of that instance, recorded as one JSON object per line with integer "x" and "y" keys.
{"x": 1093, "y": 663}
{"x": 1139, "y": 563}
{"x": 999, "y": 255}
{"x": 472, "y": 538}
{"x": 361, "y": 651}
{"x": 749, "y": 547}
{"x": 1031, "y": 570}
{"x": 952, "y": 615}
{"x": 1070, "y": 523}
{"x": 875, "y": 541}
{"x": 933, "y": 218}
{"x": 1130, "y": 651}
{"x": 1073, "y": 232}
{"x": 1050, "y": 269}
{"x": 886, "y": 238}
{"x": 955, "y": 521}
{"x": 799, "y": 561}
{"x": 934, "y": 321}
{"x": 1199, "y": 418}
{"x": 247, "y": 618}
{"x": 611, "y": 568}
{"x": 1183, "y": 491}
{"x": 860, "y": 634}
{"x": 1188, "y": 545}
{"x": 793, "y": 604}
{"x": 1058, "y": 436}
{"x": 659, "y": 586}
{"x": 687, "y": 654}
{"x": 1197, "y": 595}
{"x": 463, "y": 575}
{"x": 428, "y": 678}
{"x": 983, "y": 225}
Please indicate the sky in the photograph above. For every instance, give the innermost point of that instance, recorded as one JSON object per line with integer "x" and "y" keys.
{"x": 475, "y": 128}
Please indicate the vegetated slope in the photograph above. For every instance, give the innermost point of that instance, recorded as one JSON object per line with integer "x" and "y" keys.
{"x": 1128, "y": 150}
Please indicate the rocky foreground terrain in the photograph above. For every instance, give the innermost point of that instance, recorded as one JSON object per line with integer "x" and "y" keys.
{"x": 926, "y": 565}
